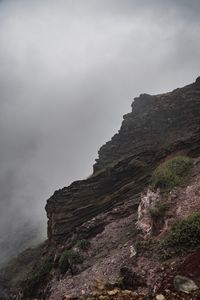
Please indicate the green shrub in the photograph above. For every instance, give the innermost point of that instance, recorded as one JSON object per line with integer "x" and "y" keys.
{"x": 171, "y": 173}
{"x": 142, "y": 246}
{"x": 41, "y": 271}
{"x": 158, "y": 212}
{"x": 84, "y": 244}
{"x": 184, "y": 234}
{"x": 36, "y": 278}
{"x": 68, "y": 259}
{"x": 139, "y": 247}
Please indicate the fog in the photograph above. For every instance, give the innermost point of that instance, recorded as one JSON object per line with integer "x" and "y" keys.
{"x": 68, "y": 72}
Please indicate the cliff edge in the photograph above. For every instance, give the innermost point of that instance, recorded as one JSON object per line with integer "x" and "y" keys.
{"x": 158, "y": 126}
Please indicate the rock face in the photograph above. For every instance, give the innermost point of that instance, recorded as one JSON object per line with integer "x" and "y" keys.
{"x": 147, "y": 202}
{"x": 157, "y": 127}
{"x": 72, "y": 206}
{"x": 160, "y": 121}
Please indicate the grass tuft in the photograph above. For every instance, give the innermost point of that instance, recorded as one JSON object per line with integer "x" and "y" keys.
{"x": 83, "y": 244}
{"x": 68, "y": 259}
{"x": 158, "y": 212}
{"x": 171, "y": 173}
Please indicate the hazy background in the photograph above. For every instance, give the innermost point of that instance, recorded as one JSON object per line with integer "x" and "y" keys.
{"x": 68, "y": 72}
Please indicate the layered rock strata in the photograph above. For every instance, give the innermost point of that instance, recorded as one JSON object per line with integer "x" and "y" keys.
{"x": 157, "y": 127}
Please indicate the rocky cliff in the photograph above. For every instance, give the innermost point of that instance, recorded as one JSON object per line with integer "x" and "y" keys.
{"x": 116, "y": 229}
{"x": 157, "y": 127}
{"x": 158, "y": 122}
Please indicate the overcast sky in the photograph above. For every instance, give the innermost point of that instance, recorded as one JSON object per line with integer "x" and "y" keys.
{"x": 68, "y": 72}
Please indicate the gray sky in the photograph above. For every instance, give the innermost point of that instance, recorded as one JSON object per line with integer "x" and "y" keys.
{"x": 68, "y": 72}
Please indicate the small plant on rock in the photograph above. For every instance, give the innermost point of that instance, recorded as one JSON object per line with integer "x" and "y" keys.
{"x": 142, "y": 246}
{"x": 84, "y": 244}
{"x": 37, "y": 277}
{"x": 68, "y": 259}
{"x": 41, "y": 271}
{"x": 158, "y": 212}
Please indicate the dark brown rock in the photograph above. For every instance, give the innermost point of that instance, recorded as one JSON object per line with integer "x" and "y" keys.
{"x": 70, "y": 207}
{"x": 130, "y": 279}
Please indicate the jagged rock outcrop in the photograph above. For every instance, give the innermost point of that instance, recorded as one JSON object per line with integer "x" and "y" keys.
{"x": 147, "y": 202}
{"x": 160, "y": 121}
{"x": 157, "y": 127}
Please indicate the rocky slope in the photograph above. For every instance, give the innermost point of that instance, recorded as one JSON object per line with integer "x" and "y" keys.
{"x": 111, "y": 212}
{"x": 130, "y": 242}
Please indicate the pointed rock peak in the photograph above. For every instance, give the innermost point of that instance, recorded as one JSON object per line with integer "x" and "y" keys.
{"x": 198, "y": 80}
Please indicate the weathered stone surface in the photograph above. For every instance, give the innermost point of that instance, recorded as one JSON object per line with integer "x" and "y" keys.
{"x": 160, "y": 297}
{"x": 157, "y": 127}
{"x": 184, "y": 284}
{"x": 148, "y": 201}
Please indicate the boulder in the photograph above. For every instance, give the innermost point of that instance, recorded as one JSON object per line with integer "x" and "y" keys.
{"x": 184, "y": 284}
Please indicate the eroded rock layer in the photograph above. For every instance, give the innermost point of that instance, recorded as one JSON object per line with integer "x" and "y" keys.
{"x": 157, "y": 126}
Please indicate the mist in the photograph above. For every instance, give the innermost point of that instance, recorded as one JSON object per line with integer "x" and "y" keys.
{"x": 68, "y": 72}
